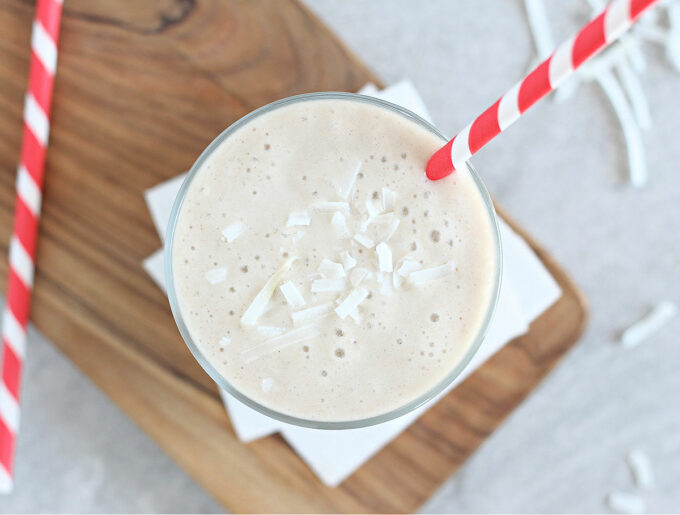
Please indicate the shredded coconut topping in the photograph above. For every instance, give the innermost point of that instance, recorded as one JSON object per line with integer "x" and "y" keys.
{"x": 331, "y": 270}
{"x": 261, "y": 300}
{"x": 313, "y": 313}
{"x": 364, "y": 240}
{"x": 216, "y": 275}
{"x": 332, "y": 207}
{"x": 351, "y": 302}
{"x": 430, "y": 274}
{"x": 384, "y": 253}
{"x": 339, "y": 223}
{"x": 292, "y": 295}
{"x": 326, "y": 285}
{"x": 298, "y": 218}
{"x": 280, "y": 342}
{"x": 233, "y": 231}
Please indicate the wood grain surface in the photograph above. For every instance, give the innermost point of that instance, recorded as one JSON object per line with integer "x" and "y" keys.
{"x": 141, "y": 89}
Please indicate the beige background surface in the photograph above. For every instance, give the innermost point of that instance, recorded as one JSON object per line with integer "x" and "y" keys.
{"x": 559, "y": 173}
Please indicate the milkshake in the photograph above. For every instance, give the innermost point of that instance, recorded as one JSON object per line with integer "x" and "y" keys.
{"x": 317, "y": 273}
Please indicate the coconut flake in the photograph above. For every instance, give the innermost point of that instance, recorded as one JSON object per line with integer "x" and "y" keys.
{"x": 233, "y": 231}
{"x": 224, "y": 341}
{"x": 345, "y": 189}
{"x": 384, "y": 218}
{"x": 259, "y": 303}
{"x": 351, "y": 302}
{"x": 268, "y": 331}
{"x": 326, "y": 285}
{"x": 357, "y": 275}
{"x": 629, "y": 126}
{"x": 662, "y": 313}
{"x": 348, "y": 262}
{"x": 356, "y": 316}
{"x": 539, "y": 27}
{"x": 313, "y": 313}
{"x": 292, "y": 295}
{"x": 332, "y": 207}
{"x": 386, "y": 287}
{"x": 297, "y": 236}
{"x": 339, "y": 223}
{"x": 636, "y": 95}
{"x": 430, "y": 274}
{"x": 389, "y": 198}
{"x": 364, "y": 240}
{"x": 281, "y": 342}
{"x": 298, "y": 218}
{"x": 267, "y": 384}
{"x": 384, "y": 253}
{"x": 394, "y": 224}
{"x": 624, "y": 502}
{"x": 331, "y": 270}
{"x": 641, "y": 468}
{"x": 407, "y": 267}
{"x": 216, "y": 275}
{"x": 371, "y": 209}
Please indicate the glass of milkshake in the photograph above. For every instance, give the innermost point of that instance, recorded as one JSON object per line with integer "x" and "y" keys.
{"x": 317, "y": 275}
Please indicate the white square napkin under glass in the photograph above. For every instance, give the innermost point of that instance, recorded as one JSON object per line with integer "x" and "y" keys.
{"x": 527, "y": 290}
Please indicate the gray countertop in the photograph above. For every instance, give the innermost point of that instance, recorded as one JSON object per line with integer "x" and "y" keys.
{"x": 560, "y": 172}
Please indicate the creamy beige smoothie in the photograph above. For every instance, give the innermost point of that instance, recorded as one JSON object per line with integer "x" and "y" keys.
{"x": 318, "y": 270}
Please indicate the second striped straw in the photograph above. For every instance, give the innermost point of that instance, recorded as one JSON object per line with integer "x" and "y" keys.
{"x": 547, "y": 76}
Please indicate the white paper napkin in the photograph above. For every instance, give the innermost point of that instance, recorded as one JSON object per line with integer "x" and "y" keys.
{"x": 527, "y": 290}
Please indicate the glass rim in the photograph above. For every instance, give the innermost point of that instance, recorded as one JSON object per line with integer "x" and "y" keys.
{"x": 221, "y": 380}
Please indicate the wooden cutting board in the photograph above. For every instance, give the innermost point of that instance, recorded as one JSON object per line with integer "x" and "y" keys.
{"x": 141, "y": 89}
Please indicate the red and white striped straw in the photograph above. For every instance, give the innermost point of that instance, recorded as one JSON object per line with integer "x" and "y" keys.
{"x": 547, "y": 76}
{"x": 25, "y": 232}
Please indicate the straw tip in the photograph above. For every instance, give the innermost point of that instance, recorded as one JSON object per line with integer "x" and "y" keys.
{"x": 440, "y": 164}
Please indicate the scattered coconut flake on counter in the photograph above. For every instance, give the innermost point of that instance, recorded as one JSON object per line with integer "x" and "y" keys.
{"x": 660, "y": 315}
{"x": 364, "y": 240}
{"x": 348, "y": 262}
{"x": 327, "y": 285}
{"x": 233, "y": 231}
{"x": 331, "y": 207}
{"x": 641, "y": 468}
{"x": 351, "y": 302}
{"x": 430, "y": 274}
{"x": 268, "y": 331}
{"x": 624, "y": 502}
{"x": 384, "y": 253}
{"x": 357, "y": 275}
{"x": 331, "y": 270}
{"x": 267, "y": 384}
{"x": 623, "y": 89}
{"x": 292, "y": 295}
{"x": 224, "y": 341}
{"x": 313, "y": 313}
{"x": 345, "y": 189}
{"x": 280, "y": 342}
{"x": 259, "y": 303}
{"x": 389, "y": 198}
{"x": 216, "y": 275}
{"x": 298, "y": 218}
{"x": 339, "y": 223}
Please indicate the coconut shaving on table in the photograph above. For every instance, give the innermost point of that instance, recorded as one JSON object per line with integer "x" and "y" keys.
{"x": 617, "y": 70}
